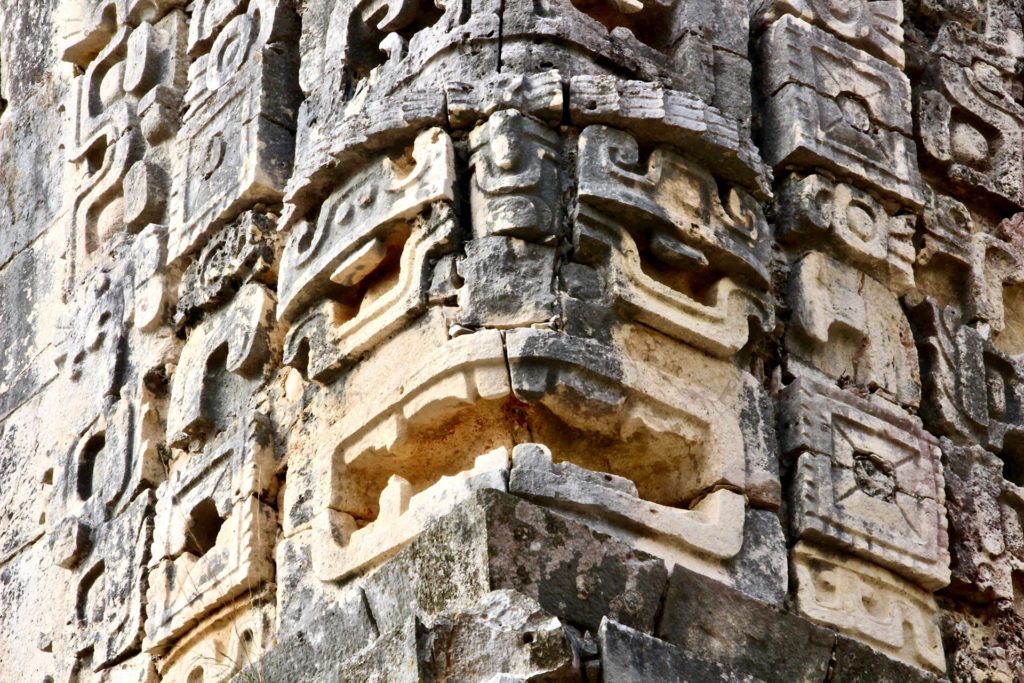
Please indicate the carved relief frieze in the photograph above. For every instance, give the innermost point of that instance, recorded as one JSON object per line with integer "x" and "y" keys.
{"x": 849, "y": 222}
{"x": 875, "y": 26}
{"x": 701, "y": 273}
{"x": 829, "y": 105}
{"x": 131, "y": 55}
{"x": 849, "y": 327}
{"x": 868, "y": 478}
{"x": 236, "y": 142}
{"x": 869, "y": 604}
{"x": 969, "y": 122}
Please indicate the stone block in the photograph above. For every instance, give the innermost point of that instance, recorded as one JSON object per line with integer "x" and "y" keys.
{"x": 516, "y": 186}
{"x": 507, "y": 283}
{"x": 237, "y": 137}
{"x": 874, "y": 26}
{"x": 365, "y": 218}
{"x": 740, "y": 634}
{"x": 655, "y": 225}
{"x": 654, "y": 114}
{"x": 850, "y": 223}
{"x": 496, "y": 541}
{"x": 630, "y": 656}
{"x": 225, "y": 558}
{"x": 849, "y": 327}
{"x": 711, "y": 536}
{"x": 829, "y": 105}
{"x": 969, "y": 126}
{"x": 869, "y": 604}
{"x": 868, "y": 478}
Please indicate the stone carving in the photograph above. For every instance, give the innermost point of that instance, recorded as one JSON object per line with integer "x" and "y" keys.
{"x": 658, "y": 115}
{"x": 241, "y": 252}
{"x": 689, "y": 223}
{"x": 867, "y": 478}
{"x": 969, "y": 122}
{"x": 970, "y": 388}
{"x": 848, "y": 326}
{"x": 515, "y": 188}
{"x": 951, "y": 239}
{"x": 236, "y": 142}
{"x": 699, "y": 538}
{"x": 869, "y": 604}
{"x": 874, "y": 26}
{"x": 850, "y": 223}
{"x": 394, "y": 340}
{"x": 363, "y": 220}
{"x": 830, "y": 105}
{"x": 130, "y": 56}
{"x": 985, "y": 512}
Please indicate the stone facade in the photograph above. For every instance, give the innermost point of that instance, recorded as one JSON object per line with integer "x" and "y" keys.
{"x": 531, "y": 340}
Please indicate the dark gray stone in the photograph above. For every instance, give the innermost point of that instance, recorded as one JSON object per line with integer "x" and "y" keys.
{"x": 741, "y": 633}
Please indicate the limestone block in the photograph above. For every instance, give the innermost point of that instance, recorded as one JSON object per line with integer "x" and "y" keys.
{"x": 332, "y": 336}
{"x": 654, "y": 114}
{"x": 232, "y": 340}
{"x": 503, "y": 544}
{"x": 850, "y": 223}
{"x": 27, "y": 454}
{"x": 241, "y": 252}
{"x": 829, "y": 105}
{"x": 671, "y": 208}
{"x": 109, "y": 580}
{"x": 32, "y": 196}
{"x": 847, "y": 325}
{"x": 744, "y": 636}
{"x": 515, "y": 190}
{"x": 226, "y": 558}
{"x": 874, "y": 26}
{"x": 971, "y": 389}
{"x": 125, "y": 54}
{"x": 402, "y": 516}
{"x": 232, "y": 639}
{"x": 364, "y": 219}
{"x": 700, "y": 537}
{"x": 151, "y": 283}
{"x": 236, "y": 142}
{"x": 104, "y": 467}
{"x": 202, "y": 488}
{"x": 981, "y": 511}
{"x": 28, "y": 320}
{"x": 91, "y": 347}
{"x": 506, "y": 633}
{"x": 37, "y": 598}
{"x": 536, "y": 94}
{"x": 869, "y": 604}
{"x": 985, "y": 263}
{"x": 629, "y": 656}
{"x": 507, "y": 283}
{"x": 694, "y": 433}
{"x": 867, "y": 478}
{"x": 968, "y": 122}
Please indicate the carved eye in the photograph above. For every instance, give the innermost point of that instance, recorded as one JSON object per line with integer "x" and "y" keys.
{"x": 229, "y": 51}
{"x": 860, "y": 220}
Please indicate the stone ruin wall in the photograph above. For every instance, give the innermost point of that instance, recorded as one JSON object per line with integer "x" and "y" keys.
{"x": 511, "y": 340}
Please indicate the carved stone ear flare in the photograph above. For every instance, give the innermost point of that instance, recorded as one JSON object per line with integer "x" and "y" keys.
{"x": 511, "y": 340}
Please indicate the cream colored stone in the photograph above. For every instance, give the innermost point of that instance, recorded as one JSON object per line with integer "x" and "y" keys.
{"x": 870, "y": 604}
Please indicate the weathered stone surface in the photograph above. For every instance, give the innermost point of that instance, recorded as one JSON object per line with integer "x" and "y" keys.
{"x": 387, "y": 340}
{"x": 629, "y": 656}
{"x": 869, "y": 604}
{"x": 848, "y": 326}
{"x": 868, "y": 478}
{"x": 492, "y": 542}
{"x": 829, "y": 105}
{"x": 743, "y": 635}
